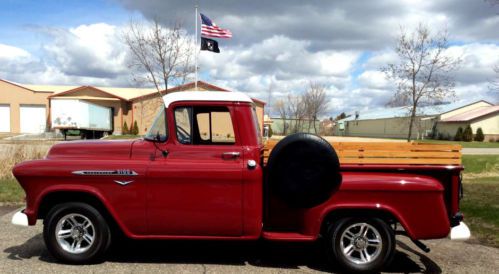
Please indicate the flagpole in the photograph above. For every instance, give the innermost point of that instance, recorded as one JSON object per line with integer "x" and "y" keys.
{"x": 196, "y": 48}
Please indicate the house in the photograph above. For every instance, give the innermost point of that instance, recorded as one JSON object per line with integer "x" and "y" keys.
{"x": 486, "y": 118}
{"x": 26, "y": 108}
{"x": 443, "y": 119}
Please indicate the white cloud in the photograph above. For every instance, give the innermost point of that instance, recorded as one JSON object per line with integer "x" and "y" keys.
{"x": 10, "y": 52}
{"x": 374, "y": 79}
{"x": 85, "y": 55}
{"x": 88, "y": 50}
{"x": 288, "y": 45}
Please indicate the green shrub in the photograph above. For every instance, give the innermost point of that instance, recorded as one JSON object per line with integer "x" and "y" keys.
{"x": 479, "y": 137}
{"x": 468, "y": 134}
{"x": 459, "y": 134}
{"x": 125, "y": 128}
{"x": 135, "y": 129}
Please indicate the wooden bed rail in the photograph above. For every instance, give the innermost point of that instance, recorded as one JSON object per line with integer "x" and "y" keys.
{"x": 390, "y": 153}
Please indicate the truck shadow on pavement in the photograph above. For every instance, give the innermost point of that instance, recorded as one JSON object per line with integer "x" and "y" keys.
{"x": 258, "y": 254}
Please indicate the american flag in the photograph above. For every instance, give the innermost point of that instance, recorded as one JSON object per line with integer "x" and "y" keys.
{"x": 210, "y": 29}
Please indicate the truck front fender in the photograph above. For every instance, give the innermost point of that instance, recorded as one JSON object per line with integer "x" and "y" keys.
{"x": 73, "y": 192}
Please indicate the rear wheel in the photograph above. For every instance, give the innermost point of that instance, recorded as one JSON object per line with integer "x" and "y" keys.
{"x": 76, "y": 233}
{"x": 360, "y": 244}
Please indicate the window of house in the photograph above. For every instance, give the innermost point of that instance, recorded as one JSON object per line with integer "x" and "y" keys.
{"x": 204, "y": 126}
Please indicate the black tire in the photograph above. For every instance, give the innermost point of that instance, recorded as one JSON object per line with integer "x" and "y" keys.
{"x": 303, "y": 170}
{"x": 336, "y": 254}
{"x": 100, "y": 230}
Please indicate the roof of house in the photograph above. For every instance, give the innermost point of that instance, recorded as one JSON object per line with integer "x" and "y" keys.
{"x": 472, "y": 114}
{"x": 127, "y": 94}
{"x": 398, "y": 112}
{"x": 206, "y": 96}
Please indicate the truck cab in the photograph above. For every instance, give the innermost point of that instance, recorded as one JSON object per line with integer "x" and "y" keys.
{"x": 200, "y": 173}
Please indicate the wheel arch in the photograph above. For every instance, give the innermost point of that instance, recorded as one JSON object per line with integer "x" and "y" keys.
{"x": 55, "y": 197}
{"x": 384, "y": 214}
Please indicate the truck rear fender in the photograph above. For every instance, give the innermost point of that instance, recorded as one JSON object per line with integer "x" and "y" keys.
{"x": 335, "y": 212}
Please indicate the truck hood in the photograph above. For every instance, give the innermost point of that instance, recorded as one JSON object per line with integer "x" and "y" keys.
{"x": 98, "y": 150}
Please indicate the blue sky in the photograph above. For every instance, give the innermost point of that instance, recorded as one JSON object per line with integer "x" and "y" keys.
{"x": 20, "y": 19}
{"x": 341, "y": 44}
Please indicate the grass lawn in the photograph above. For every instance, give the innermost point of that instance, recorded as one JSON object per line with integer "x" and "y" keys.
{"x": 480, "y": 206}
{"x": 464, "y": 144}
{"x": 476, "y": 164}
{"x": 10, "y": 191}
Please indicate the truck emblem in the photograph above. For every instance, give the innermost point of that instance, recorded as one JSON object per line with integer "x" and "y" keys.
{"x": 123, "y": 183}
{"x": 119, "y": 172}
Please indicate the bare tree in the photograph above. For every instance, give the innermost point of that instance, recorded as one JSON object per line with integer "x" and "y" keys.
{"x": 423, "y": 71}
{"x": 315, "y": 102}
{"x": 296, "y": 109}
{"x": 270, "y": 91}
{"x": 160, "y": 55}
{"x": 281, "y": 107}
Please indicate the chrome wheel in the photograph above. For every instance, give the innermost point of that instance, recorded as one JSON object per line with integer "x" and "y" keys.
{"x": 361, "y": 243}
{"x": 75, "y": 233}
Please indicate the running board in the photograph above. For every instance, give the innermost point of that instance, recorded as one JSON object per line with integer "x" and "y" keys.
{"x": 287, "y": 237}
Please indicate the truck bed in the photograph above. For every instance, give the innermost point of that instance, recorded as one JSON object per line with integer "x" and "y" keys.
{"x": 390, "y": 153}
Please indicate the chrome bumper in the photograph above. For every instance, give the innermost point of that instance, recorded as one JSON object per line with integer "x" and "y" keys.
{"x": 20, "y": 219}
{"x": 460, "y": 232}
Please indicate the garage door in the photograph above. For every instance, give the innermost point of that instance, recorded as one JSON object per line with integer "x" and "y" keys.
{"x": 4, "y": 118}
{"x": 33, "y": 119}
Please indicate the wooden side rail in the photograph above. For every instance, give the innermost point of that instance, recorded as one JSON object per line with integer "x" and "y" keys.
{"x": 391, "y": 153}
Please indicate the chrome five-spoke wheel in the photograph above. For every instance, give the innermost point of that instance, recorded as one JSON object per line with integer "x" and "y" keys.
{"x": 361, "y": 243}
{"x": 75, "y": 233}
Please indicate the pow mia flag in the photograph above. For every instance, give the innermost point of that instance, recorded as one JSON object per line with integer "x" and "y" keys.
{"x": 209, "y": 45}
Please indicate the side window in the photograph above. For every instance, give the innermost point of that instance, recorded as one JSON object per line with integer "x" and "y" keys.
{"x": 204, "y": 126}
{"x": 183, "y": 124}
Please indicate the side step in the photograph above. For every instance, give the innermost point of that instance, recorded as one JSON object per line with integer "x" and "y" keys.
{"x": 287, "y": 237}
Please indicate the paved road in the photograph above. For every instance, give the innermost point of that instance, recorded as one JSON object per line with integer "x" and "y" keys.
{"x": 23, "y": 251}
{"x": 480, "y": 151}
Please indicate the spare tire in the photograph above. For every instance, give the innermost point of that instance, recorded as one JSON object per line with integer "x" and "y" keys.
{"x": 303, "y": 170}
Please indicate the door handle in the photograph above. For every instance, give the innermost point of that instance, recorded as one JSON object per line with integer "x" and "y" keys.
{"x": 230, "y": 155}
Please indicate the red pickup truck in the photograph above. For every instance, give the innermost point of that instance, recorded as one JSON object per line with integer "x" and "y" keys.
{"x": 199, "y": 173}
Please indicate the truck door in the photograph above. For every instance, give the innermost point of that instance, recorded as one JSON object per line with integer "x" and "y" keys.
{"x": 197, "y": 189}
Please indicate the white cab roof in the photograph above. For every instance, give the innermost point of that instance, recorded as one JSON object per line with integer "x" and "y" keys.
{"x": 232, "y": 96}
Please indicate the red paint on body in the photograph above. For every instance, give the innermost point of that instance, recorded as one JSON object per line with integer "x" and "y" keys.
{"x": 194, "y": 193}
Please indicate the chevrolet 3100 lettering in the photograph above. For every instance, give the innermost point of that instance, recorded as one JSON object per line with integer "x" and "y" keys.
{"x": 200, "y": 173}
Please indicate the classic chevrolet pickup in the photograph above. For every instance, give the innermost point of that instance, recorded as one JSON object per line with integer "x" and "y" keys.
{"x": 199, "y": 173}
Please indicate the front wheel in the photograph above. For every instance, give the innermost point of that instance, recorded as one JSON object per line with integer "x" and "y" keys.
{"x": 360, "y": 244}
{"x": 76, "y": 233}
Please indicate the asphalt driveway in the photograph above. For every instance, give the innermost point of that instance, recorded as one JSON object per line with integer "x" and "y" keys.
{"x": 23, "y": 251}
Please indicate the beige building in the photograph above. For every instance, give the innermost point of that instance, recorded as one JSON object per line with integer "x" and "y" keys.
{"x": 26, "y": 108}
{"x": 485, "y": 117}
{"x": 443, "y": 119}
{"x": 22, "y": 109}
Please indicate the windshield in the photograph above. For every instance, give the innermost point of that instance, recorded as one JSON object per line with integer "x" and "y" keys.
{"x": 158, "y": 130}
